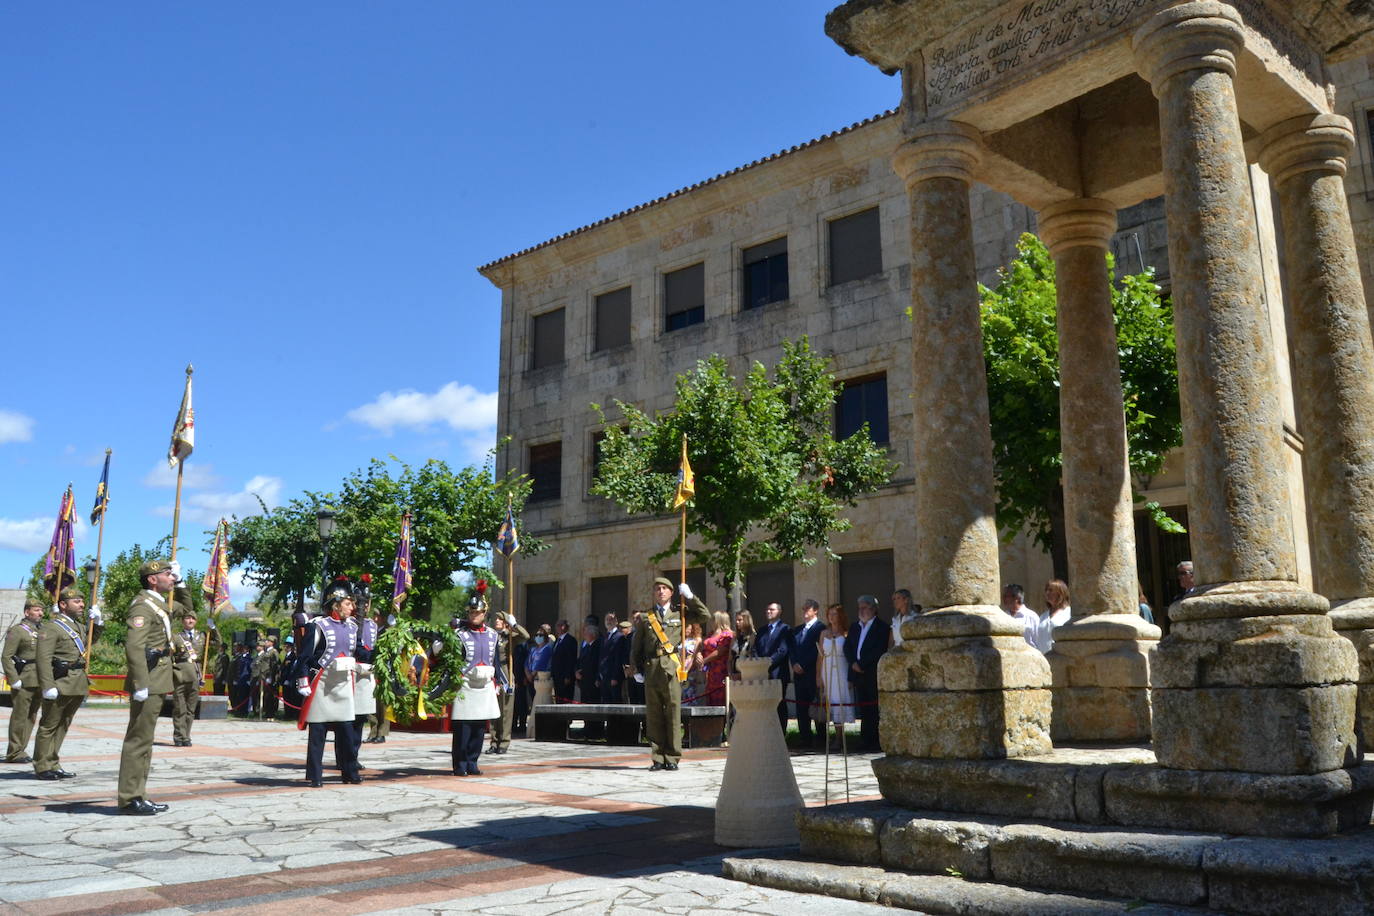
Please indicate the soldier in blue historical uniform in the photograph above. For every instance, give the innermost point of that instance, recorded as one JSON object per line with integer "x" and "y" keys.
{"x": 365, "y": 684}
{"x": 477, "y": 702}
{"x": 325, "y": 667}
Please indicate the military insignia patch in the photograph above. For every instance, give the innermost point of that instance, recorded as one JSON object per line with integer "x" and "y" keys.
{"x": 136, "y": 622}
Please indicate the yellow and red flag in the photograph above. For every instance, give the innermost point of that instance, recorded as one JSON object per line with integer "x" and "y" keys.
{"x": 217, "y": 576}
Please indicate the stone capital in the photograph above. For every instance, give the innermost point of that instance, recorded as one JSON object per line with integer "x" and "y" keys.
{"x": 939, "y": 149}
{"x": 1079, "y": 223}
{"x": 1315, "y": 143}
{"x": 1201, "y": 35}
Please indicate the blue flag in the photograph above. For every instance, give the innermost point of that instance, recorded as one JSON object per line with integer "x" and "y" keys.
{"x": 508, "y": 539}
{"x": 102, "y": 492}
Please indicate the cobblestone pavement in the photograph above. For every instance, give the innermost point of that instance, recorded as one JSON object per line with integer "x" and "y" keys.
{"x": 548, "y": 828}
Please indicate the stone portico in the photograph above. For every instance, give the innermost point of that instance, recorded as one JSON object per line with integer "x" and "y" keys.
{"x": 1079, "y": 108}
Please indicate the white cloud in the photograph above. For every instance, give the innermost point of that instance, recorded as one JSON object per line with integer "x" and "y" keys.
{"x": 28, "y": 536}
{"x": 15, "y": 427}
{"x": 195, "y": 475}
{"x": 209, "y": 506}
{"x": 461, "y": 407}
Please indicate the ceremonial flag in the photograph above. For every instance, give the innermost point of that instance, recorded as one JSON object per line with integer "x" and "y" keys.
{"x": 508, "y": 539}
{"x": 102, "y": 492}
{"x": 686, "y": 483}
{"x": 401, "y": 573}
{"x": 60, "y": 569}
{"x": 216, "y": 585}
{"x": 184, "y": 430}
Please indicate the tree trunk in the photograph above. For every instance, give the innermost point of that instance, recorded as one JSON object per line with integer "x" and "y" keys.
{"x": 1059, "y": 544}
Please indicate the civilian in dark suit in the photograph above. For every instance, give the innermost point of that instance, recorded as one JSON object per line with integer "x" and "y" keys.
{"x": 863, "y": 646}
{"x": 803, "y": 654}
{"x": 634, "y": 691}
{"x": 564, "y": 667}
{"x": 774, "y": 643}
{"x": 589, "y": 676}
{"x": 522, "y": 687}
{"x": 610, "y": 670}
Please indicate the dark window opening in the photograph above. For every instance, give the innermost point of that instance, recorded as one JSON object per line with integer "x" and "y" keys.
{"x": 765, "y": 273}
{"x": 863, "y": 401}
{"x": 546, "y": 471}
{"x": 547, "y": 339}
{"x": 610, "y": 595}
{"x": 856, "y": 247}
{"x": 684, "y": 297}
{"x": 613, "y": 319}
{"x": 867, "y": 573}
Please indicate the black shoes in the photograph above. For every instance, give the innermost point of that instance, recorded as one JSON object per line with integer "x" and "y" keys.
{"x": 47, "y": 774}
{"x": 142, "y": 807}
{"x": 658, "y": 766}
{"x": 186, "y": 743}
{"x": 63, "y": 774}
{"x": 314, "y": 783}
{"x": 21, "y": 759}
{"x": 670, "y": 766}
{"x": 355, "y": 780}
{"x": 474, "y": 772}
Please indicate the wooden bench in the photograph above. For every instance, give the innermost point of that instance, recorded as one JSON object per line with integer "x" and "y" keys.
{"x": 624, "y": 722}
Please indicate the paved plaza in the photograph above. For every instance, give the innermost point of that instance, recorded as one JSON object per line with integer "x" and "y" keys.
{"x": 548, "y": 828}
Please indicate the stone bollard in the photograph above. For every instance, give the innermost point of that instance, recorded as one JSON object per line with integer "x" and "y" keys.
{"x": 543, "y": 694}
{"x": 759, "y": 798}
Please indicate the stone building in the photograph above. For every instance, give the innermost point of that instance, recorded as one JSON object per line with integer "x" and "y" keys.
{"x": 812, "y": 240}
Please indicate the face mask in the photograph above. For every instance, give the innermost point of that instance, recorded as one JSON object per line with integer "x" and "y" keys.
{"x": 539, "y": 640}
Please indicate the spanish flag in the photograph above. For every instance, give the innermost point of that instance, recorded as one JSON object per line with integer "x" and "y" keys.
{"x": 686, "y": 483}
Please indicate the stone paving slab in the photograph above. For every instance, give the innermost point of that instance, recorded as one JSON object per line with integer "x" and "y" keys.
{"x": 546, "y": 828}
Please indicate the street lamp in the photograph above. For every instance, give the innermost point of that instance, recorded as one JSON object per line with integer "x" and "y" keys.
{"x": 91, "y": 569}
{"x": 325, "y": 522}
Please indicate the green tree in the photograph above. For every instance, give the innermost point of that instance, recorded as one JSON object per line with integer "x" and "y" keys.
{"x": 455, "y": 516}
{"x": 1021, "y": 349}
{"x": 771, "y": 479}
{"x": 280, "y": 550}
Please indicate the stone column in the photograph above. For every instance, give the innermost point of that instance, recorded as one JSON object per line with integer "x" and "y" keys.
{"x": 964, "y": 683}
{"x": 1333, "y": 366}
{"x": 1251, "y": 677}
{"x": 1099, "y": 663}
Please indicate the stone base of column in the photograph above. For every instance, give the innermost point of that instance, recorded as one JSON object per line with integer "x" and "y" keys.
{"x": 964, "y": 684}
{"x": 1124, "y": 787}
{"x": 1101, "y": 670}
{"x": 1269, "y": 693}
{"x": 1354, "y": 619}
{"x": 758, "y": 800}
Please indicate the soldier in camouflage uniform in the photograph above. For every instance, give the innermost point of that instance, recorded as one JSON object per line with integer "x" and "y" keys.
{"x": 21, "y": 657}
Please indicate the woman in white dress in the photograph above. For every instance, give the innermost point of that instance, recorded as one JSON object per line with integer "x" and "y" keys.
{"x": 832, "y": 672}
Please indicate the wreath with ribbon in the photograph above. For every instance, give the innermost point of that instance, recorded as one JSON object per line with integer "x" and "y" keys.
{"x": 412, "y": 683}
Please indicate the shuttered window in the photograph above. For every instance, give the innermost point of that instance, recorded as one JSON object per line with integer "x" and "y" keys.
{"x": 856, "y": 247}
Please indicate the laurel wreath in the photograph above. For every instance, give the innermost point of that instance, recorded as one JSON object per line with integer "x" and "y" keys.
{"x": 398, "y": 687}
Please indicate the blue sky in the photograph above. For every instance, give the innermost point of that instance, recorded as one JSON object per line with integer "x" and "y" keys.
{"x": 295, "y": 196}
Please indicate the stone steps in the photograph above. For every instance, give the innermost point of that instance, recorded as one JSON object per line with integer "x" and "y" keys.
{"x": 1251, "y": 875}
{"x": 934, "y": 894}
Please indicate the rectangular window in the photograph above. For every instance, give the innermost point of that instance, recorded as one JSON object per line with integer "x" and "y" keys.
{"x": 765, "y": 583}
{"x": 696, "y": 580}
{"x": 765, "y": 273}
{"x": 684, "y": 297}
{"x": 541, "y": 605}
{"x": 856, "y": 247}
{"x": 868, "y": 573}
{"x": 546, "y": 471}
{"x": 546, "y": 334}
{"x": 862, "y": 401}
{"x": 610, "y": 595}
{"x": 613, "y": 319}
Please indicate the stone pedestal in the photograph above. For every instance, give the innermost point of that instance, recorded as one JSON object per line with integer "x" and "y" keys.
{"x": 759, "y": 799}
{"x": 543, "y": 694}
{"x": 1099, "y": 663}
{"x": 964, "y": 684}
{"x": 1355, "y": 621}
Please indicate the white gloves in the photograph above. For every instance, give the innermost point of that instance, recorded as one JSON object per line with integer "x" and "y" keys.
{"x": 639, "y": 678}
{"x": 685, "y": 591}
{"x": 303, "y": 687}
{"x": 50, "y": 693}
{"x": 391, "y": 620}
{"x": 210, "y": 622}
{"x": 510, "y": 619}
{"x": 139, "y": 695}
{"x": 97, "y": 618}
{"x": 175, "y": 567}
{"x": 364, "y": 667}
{"x": 17, "y": 684}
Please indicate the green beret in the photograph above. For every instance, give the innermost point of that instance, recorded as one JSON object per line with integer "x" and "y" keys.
{"x": 662, "y": 581}
{"x": 152, "y": 567}
{"x": 70, "y": 593}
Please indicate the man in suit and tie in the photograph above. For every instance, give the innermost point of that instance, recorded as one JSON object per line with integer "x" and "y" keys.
{"x": 589, "y": 675}
{"x": 773, "y": 644}
{"x": 863, "y": 646}
{"x": 564, "y": 664}
{"x": 803, "y": 654}
{"x": 610, "y": 669}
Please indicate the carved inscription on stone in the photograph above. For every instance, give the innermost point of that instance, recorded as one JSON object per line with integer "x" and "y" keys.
{"x": 1024, "y": 38}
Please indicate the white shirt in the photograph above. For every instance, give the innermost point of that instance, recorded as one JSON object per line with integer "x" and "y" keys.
{"x": 1029, "y": 623}
{"x": 1044, "y": 630}
{"x": 864, "y": 626}
{"x": 897, "y": 622}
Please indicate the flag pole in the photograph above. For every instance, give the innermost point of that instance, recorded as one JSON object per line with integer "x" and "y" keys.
{"x": 95, "y": 586}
